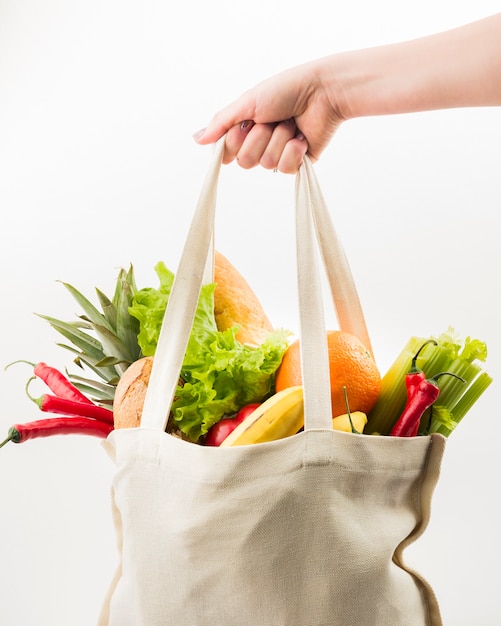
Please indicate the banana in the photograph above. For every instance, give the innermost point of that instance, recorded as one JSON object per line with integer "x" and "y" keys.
{"x": 342, "y": 422}
{"x": 280, "y": 416}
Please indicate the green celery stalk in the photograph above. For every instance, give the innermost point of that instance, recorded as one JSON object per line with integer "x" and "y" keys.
{"x": 435, "y": 360}
{"x": 465, "y": 403}
{"x": 393, "y": 393}
{"x": 456, "y": 397}
{"x": 451, "y": 389}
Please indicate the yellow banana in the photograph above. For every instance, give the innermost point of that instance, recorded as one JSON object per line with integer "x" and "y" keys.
{"x": 280, "y": 416}
{"x": 342, "y": 422}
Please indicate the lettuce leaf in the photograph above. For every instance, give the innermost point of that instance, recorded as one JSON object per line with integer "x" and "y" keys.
{"x": 219, "y": 374}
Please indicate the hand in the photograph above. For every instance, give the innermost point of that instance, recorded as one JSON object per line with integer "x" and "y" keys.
{"x": 277, "y": 122}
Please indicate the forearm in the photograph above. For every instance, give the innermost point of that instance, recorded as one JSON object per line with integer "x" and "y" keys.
{"x": 457, "y": 68}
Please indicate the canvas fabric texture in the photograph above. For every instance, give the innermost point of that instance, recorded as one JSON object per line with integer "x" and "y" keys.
{"x": 305, "y": 531}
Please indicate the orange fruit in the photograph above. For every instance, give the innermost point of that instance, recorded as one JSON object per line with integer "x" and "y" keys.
{"x": 351, "y": 365}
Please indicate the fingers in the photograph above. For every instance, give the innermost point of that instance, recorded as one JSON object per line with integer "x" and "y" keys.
{"x": 273, "y": 146}
{"x": 235, "y": 138}
{"x": 272, "y": 153}
{"x": 278, "y": 146}
{"x": 292, "y": 156}
{"x": 255, "y": 143}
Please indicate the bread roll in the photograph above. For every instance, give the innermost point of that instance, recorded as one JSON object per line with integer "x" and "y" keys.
{"x": 130, "y": 393}
{"x": 235, "y": 304}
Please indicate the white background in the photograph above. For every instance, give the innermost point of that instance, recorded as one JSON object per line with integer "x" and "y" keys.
{"x": 98, "y": 169}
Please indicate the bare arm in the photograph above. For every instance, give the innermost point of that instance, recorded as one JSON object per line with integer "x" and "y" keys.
{"x": 276, "y": 122}
{"x": 456, "y": 68}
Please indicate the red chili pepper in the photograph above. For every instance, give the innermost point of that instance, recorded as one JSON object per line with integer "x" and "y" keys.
{"x": 59, "y": 384}
{"x": 424, "y": 396}
{"x": 53, "y": 404}
{"x": 57, "y": 426}
{"x": 415, "y": 376}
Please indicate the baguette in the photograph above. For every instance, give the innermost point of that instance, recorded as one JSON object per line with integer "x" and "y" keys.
{"x": 236, "y": 304}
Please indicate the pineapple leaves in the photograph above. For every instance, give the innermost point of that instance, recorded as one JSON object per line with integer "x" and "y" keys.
{"x": 116, "y": 313}
{"x": 101, "y": 391}
{"x": 127, "y": 327}
{"x": 93, "y": 315}
{"x": 113, "y": 346}
{"x": 88, "y": 344}
{"x": 109, "y": 309}
{"x": 105, "y": 342}
{"x": 108, "y": 374}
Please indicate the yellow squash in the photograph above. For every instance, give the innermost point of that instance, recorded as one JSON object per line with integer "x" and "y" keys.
{"x": 342, "y": 422}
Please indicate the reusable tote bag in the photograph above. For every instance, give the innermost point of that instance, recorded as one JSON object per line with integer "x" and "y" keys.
{"x": 305, "y": 531}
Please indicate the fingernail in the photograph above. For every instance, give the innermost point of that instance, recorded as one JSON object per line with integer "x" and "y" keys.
{"x": 246, "y": 125}
{"x": 199, "y": 133}
{"x": 300, "y": 136}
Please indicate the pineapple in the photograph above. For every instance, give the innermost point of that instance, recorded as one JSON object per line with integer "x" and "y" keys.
{"x": 104, "y": 342}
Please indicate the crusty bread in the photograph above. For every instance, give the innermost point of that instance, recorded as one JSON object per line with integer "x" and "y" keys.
{"x": 235, "y": 304}
{"x": 130, "y": 393}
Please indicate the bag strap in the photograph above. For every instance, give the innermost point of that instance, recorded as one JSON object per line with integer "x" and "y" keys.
{"x": 342, "y": 285}
{"x": 314, "y": 231}
{"x": 180, "y": 313}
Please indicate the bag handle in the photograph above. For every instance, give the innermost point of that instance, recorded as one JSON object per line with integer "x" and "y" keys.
{"x": 182, "y": 304}
{"x": 314, "y": 231}
{"x": 344, "y": 293}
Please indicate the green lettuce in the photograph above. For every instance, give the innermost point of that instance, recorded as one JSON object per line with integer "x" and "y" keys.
{"x": 219, "y": 374}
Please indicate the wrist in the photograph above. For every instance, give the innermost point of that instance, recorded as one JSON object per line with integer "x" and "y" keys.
{"x": 374, "y": 81}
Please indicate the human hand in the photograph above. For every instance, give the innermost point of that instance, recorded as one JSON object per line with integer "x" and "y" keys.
{"x": 277, "y": 122}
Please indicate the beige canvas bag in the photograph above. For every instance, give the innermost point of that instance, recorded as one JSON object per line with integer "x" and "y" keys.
{"x": 306, "y": 531}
